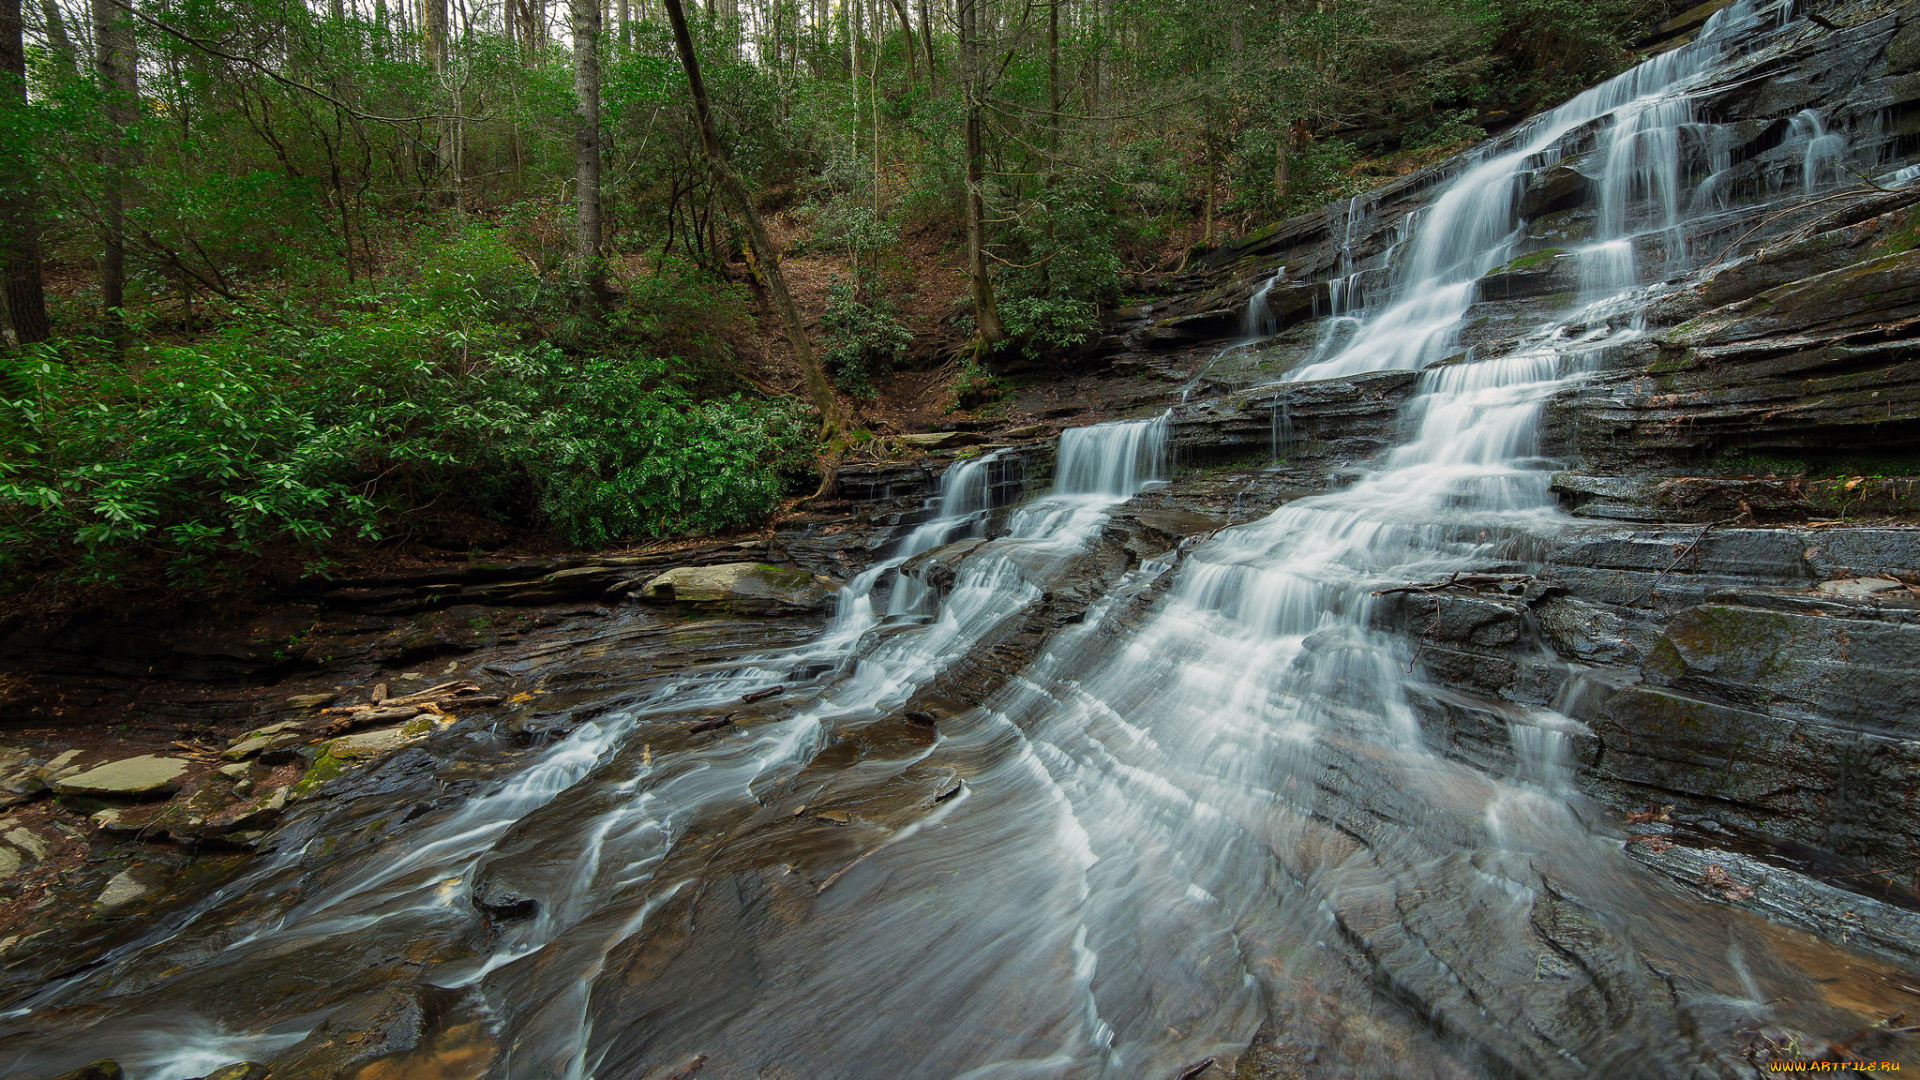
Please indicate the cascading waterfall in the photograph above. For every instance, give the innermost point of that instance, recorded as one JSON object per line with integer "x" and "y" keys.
{"x": 1186, "y": 816}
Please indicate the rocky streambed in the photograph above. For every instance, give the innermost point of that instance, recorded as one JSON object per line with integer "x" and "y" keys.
{"x": 1481, "y": 641}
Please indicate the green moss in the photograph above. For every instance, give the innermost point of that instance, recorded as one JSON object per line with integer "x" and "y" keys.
{"x": 787, "y": 578}
{"x": 1532, "y": 260}
{"x": 324, "y": 768}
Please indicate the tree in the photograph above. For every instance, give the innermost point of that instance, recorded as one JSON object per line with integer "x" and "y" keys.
{"x": 973, "y": 79}
{"x": 585, "y": 17}
{"x": 833, "y": 420}
{"x": 25, "y": 318}
{"x": 116, "y": 61}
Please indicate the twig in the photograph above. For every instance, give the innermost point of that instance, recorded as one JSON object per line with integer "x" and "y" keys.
{"x": 1688, "y": 550}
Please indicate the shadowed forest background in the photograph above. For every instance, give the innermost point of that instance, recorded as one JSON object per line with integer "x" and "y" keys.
{"x": 287, "y": 280}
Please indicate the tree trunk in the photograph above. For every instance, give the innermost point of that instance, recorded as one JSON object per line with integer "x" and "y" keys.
{"x": 833, "y": 421}
{"x": 433, "y": 34}
{"x": 906, "y": 32}
{"x": 586, "y": 151}
{"x": 57, "y": 39}
{"x": 926, "y": 40}
{"x": 25, "y": 317}
{"x": 986, "y": 314}
{"x": 118, "y": 67}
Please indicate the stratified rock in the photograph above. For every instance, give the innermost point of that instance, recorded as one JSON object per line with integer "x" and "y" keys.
{"x": 9, "y": 862}
{"x": 742, "y": 588}
{"x": 146, "y": 776}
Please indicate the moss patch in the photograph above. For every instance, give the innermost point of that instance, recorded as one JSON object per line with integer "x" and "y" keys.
{"x": 324, "y": 768}
{"x": 1533, "y": 260}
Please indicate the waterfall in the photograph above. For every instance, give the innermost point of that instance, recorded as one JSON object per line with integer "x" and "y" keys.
{"x": 1820, "y": 161}
{"x": 1205, "y": 802}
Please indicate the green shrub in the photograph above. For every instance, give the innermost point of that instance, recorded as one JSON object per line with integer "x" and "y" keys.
{"x": 863, "y": 338}
{"x": 477, "y": 271}
{"x": 276, "y": 436}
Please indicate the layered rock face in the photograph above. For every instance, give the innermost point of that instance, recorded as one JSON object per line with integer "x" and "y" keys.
{"x": 1735, "y": 600}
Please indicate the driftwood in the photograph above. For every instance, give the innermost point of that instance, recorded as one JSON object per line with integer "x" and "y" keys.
{"x": 714, "y": 724}
{"x": 762, "y": 695}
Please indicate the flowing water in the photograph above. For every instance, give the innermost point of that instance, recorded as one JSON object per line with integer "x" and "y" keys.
{"x": 1203, "y": 807}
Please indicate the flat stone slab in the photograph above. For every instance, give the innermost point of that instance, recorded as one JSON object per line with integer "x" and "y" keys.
{"x": 938, "y": 440}
{"x": 124, "y": 888}
{"x": 134, "y": 777}
{"x": 366, "y": 744}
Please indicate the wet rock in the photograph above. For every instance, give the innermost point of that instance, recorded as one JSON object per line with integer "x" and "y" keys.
{"x": 240, "y": 1070}
{"x": 936, "y": 569}
{"x": 145, "y": 776}
{"x": 1705, "y": 499}
{"x": 1864, "y": 552}
{"x": 104, "y": 1069}
{"x": 500, "y": 899}
{"x": 1815, "y": 664}
{"x": 1823, "y": 362}
{"x": 378, "y": 1025}
{"x": 742, "y": 588}
{"x": 1558, "y": 188}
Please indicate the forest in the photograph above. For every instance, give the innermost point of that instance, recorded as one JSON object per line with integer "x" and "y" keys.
{"x": 284, "y": 280}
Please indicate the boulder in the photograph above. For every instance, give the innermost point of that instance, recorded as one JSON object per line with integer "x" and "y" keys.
{"x": 145, "y": 776}
{"x": 742, "y": 588}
